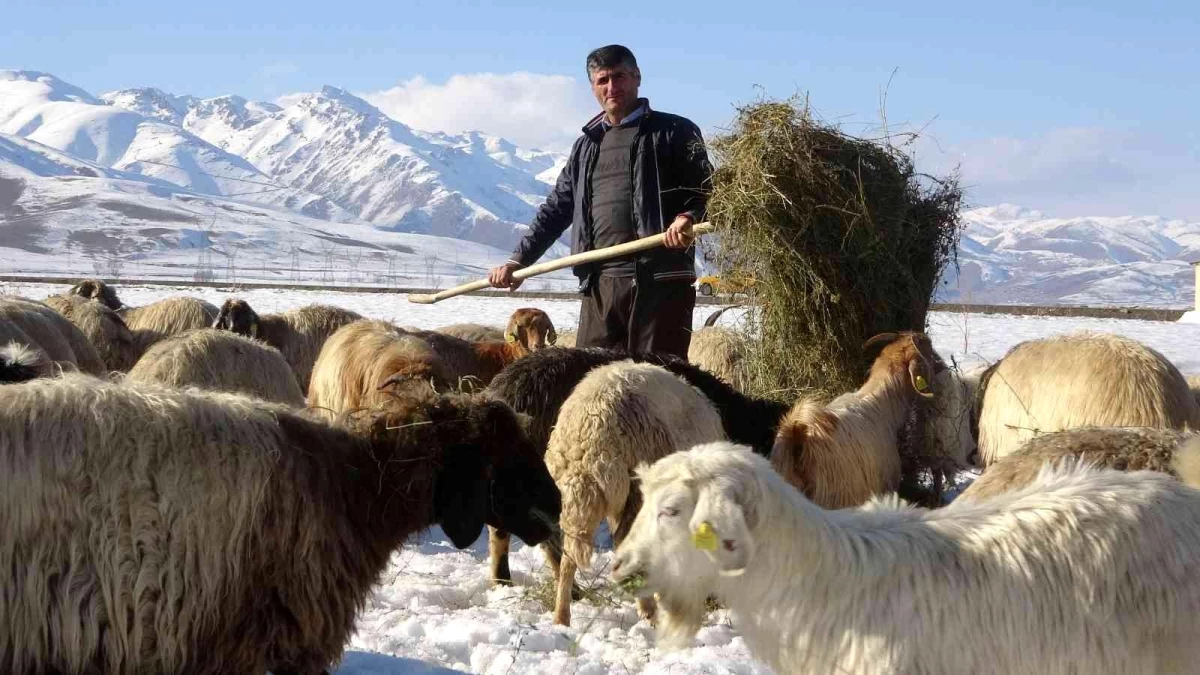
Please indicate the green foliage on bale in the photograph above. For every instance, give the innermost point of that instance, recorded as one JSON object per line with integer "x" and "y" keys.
{"x": 845, "y": 238}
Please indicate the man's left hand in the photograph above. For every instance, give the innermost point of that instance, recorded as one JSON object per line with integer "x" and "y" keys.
{"x": 679, "y": 234}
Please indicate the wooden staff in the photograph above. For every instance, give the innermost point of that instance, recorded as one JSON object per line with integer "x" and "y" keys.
{"x": 642, "y": 244}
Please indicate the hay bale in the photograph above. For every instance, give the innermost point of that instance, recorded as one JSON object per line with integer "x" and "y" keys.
{"x": 845, "y": 240}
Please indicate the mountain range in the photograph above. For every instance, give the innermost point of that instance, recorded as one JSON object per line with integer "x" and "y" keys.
{"x": 324, "y": 181}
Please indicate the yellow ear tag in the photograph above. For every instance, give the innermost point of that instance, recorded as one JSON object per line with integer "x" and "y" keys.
{"x": 509, "y": 337}
{"x": 921, "y": 384}
{"x": 704, "y": 538}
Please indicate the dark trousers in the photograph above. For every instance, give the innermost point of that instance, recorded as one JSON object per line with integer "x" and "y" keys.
{"x": 637, "y": 315}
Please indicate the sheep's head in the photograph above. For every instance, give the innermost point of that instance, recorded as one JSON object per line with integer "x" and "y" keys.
{"x": 532, "y": 328}
{"x": 491, "y": 473}
{"x": 906, "y": 351}
{"x": 237, "y": 316}
{"x": 94, "y": 289}
{"x": 696, "y": 525}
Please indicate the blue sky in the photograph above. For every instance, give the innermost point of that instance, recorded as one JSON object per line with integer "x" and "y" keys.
{"x": 1072, "y": 109}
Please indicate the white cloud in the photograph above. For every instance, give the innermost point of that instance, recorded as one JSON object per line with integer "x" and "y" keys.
{"x": 1075, "y": 171}
{"x": 529, "y": 109}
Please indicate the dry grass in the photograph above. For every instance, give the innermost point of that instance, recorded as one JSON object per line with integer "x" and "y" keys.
{"x": 845, "y": 239}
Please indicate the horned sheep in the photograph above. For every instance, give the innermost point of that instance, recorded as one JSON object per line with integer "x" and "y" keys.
{"x": 199, "y": 532}
{"x": 1082, "y": 571}
{"x": 299, "y": 334}
{"x": 1076, "y": 380}
{"x": 618, "y": 416}
{"x": 843, "y": 452}
{"x": 218, "y": 360}
{"x": 364, "y": 359}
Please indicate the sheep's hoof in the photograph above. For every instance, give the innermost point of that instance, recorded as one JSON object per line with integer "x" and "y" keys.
{"x": 647, "y": 609}
{"x": 502, "y": 576}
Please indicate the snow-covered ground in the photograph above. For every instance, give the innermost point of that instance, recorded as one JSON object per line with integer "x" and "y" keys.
{"x": 434, "y": 609}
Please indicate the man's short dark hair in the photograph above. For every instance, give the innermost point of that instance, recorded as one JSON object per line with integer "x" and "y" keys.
{"x": 610, "y": 56}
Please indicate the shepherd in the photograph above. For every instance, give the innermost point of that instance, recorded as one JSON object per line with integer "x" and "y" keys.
{"x": 633, "y": 173}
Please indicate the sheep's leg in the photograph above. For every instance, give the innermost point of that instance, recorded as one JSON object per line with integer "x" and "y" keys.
{"x": 498, "y": 543}
{"x": 553, "y": 551}
{"x": 583, "y": 509}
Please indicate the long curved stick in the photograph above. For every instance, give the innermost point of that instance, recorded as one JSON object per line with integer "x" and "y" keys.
{"x": 653, "y": 241}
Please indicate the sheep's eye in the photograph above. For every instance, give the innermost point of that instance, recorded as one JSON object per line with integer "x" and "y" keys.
{"x": 669, "y": 511}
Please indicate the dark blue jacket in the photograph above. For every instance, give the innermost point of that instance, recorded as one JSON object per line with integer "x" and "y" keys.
{"x": 671, "y": 176}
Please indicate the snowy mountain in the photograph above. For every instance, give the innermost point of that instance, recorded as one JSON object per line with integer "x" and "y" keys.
{"x": 47, "y": 110}
{"x": 60, "y": 215}
{"x": 1010, "y": 255}
{"x": 470, "y": 186}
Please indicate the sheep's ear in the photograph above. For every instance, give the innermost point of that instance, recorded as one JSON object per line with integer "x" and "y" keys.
{"x": 921, "y": 376}
{"x": 720, "y": 526}
{"x": 512, "y": 332}
{"x": 461, "y": 500}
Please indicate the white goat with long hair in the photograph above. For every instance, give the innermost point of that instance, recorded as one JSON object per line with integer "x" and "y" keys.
{"x": 1083, "y": 571}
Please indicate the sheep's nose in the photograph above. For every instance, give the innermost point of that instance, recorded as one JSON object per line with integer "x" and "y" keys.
{"x": 616, "y": 565}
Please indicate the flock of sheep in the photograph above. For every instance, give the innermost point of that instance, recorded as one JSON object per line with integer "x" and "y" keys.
{"x": 194, "y": 489}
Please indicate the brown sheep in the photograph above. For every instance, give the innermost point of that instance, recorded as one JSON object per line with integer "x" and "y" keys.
{"x": 1123, "y": 448}
{"x": 472, "y": 365}
{"x": 298, "y": 334}
{"x": 104, "y": 329}
{"x": 843, "y": 452}
{"x": 218, "y": 360}
{"x": 1078, "y": 380}
{"x": 529, "y": 326}
{"x": 362, "y": 359}
{"x": 94, "y": 289}
{"x": 184, "y": 531}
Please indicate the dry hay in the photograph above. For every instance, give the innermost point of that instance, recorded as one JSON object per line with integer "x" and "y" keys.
{"x": 845, "y": 239}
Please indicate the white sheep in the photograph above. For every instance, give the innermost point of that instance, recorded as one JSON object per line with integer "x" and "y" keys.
{"x": 1083, "y": 571}
{"x": 618, "y": 415}
{"x": 843, "y": 452}
{"x": 219, "y": 360}
{"x": 1076, "y": 380}
{"x": 955, "y": 418}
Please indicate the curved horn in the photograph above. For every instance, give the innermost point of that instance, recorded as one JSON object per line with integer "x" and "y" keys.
{"x": 881, "y": 339}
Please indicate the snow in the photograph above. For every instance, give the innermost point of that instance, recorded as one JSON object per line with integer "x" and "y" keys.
{"x": 434, "y": 607}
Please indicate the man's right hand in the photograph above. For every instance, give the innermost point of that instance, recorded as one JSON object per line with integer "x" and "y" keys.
{"x": 501, "y": 276}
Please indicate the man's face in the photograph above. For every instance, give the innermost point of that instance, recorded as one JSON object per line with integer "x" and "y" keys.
{"x": 616, "y": 89}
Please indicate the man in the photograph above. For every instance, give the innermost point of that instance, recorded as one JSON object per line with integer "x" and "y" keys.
{"x": 634, "y": 172}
